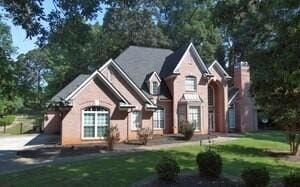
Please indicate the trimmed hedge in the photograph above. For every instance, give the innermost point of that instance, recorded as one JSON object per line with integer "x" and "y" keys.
{"x": 256, "y": 177}
{"x": 187, "y": 130}
{"x": 209, "y": 164}
{"x": 7, "y": 120}
{"x": 167, "y": 168}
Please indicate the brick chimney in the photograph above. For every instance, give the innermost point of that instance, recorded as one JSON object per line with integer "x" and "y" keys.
{"x": 246, "y": 114}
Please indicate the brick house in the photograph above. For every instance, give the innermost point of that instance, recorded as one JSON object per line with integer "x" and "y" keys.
{"x": 156, "y": 88}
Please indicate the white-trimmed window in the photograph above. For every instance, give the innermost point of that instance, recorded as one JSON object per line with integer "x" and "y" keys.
{"x": 95, "y": 122}
{"x": 155, "y": 88}
{"x": 136, "y": 120}
{"x": 159, "y": 119}
{"x": 194, "y": 116}
{"x": 190, "y": 83}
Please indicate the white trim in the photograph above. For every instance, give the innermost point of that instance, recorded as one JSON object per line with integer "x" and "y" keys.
{"x": 76, "y": 91}
{"x": 233, "y": 97}
{"x": 154, "y": 73}
{"x": 126, "y": 77}
{"x": 191, "y": 46}
{"x": 82, "y": 124}
{"x": 118, "y": 68}
{"x": 215, "y": 62}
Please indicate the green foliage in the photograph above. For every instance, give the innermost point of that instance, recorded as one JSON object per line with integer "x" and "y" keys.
{"x": 256, "y": 177}
{"x": 167, "y": 168}
{"x": 209, "y": 164}
{"x": 7, "y": 120}
{"x": 292, "y": 180}
{"x": 186, "y": 129}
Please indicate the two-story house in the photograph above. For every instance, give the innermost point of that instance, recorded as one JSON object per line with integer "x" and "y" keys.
{"x": 155, "y": 88}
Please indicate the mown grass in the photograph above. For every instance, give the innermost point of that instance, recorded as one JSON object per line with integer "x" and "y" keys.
{"x": 124, "y": 170}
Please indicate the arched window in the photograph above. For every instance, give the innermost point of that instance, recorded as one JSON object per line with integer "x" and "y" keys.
{"x": 211, "y": 96}
{"x": 190, "y": 83}
{"x": 95, "y": 121}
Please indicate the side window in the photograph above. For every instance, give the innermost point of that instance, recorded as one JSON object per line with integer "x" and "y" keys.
{"x": 136, "y": 120}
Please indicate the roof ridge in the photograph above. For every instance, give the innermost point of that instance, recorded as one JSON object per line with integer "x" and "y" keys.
{"x": 158, "y": 48}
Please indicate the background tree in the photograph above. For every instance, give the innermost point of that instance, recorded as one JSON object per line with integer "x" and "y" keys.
{"x": 9, "y": 99}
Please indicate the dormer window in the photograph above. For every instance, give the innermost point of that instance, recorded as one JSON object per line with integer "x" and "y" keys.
{"x": 190, "y": 83}
{"x": 155, "y": 88}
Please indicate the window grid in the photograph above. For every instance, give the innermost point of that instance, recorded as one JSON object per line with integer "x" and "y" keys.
{"x": 190, "y": 83}
{"x": 159, "y": 119}
{"x": 95, "y": 122}
{"x": 194, "y": 116}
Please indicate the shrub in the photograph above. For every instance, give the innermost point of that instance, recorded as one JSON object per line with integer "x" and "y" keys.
{"x": 187, "y": 130}
{"x": 256, "y": 177}
{"x": 112, "y": 135}
{"x": 144, "y": 134}
{"x": 167, "y": 168}
{"x": 7, "y": 120}
{"x": 292, "y": 180}
{"x": 209, "y": 163}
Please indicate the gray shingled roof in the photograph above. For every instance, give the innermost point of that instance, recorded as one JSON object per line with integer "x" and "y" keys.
{"x": 67, "y": 90}
{"x": 138, "y": 62}
{"x": 231, "y": 92}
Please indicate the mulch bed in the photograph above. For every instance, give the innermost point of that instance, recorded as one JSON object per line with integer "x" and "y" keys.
{"x": 190, "y": 179}
{"x": 51, "y": 152}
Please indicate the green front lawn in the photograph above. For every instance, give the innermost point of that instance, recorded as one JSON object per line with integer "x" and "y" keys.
{"x": 123, "y": 170}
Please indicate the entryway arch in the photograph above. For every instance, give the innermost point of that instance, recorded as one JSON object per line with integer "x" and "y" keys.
{"x": 216, "y": 112}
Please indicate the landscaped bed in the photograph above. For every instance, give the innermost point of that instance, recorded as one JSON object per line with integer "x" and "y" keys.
{"x": 127, "y": 169}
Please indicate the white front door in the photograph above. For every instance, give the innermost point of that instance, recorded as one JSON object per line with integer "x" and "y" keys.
{"x": 211, "y": 121}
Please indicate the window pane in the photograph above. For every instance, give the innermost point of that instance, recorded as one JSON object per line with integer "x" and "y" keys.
{"x": 101, "y": 131}
{"x": 89, "y": 132}
{"x": 136, "y": 120}
{"x": 158, "y": 118}
{"x": 89, "y": 119}
{"x": 155, "y": 87}
{"x": 210, "y": 96}
{"x": 194, "y": 116}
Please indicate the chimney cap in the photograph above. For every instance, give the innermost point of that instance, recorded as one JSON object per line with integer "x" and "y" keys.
{"x": 242, "y": 64}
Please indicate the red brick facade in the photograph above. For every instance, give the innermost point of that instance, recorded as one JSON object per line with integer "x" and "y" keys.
{"x": 96, "y": 93}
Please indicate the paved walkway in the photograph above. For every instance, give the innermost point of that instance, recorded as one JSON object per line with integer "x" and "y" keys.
{"x": 10, "y": 162}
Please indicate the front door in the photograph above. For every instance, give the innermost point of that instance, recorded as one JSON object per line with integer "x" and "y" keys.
{"x": 211, "y": 121}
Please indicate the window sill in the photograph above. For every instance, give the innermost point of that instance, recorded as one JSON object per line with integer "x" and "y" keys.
{"x": 91, "y": 139}
{"x": 158, "y": 128}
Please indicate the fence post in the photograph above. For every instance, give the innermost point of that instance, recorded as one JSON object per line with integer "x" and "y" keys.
{"x": 4, "y": 128}
{"x": 21, "y": 128}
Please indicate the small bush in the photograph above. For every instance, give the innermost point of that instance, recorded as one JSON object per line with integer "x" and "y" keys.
{"x": 112, "y": 136}
{"x": 209, "y": 164}
{"x": 144, "y": 134}
{"x": 256, "y": 177}
{"x": 7, "y": 120}
{"x": 187, "y": 130}
{"x": 292, "y": 180}
{"x": 167, "y": 168}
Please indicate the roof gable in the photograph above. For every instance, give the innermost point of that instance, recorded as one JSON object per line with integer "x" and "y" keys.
{"x": 191, "y": 48}
{"x": 79, "y": 83}
{"x": 124, "y": 75}
{"x": 219, "y": 69}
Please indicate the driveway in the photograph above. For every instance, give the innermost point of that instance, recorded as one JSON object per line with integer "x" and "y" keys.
{"x": 9, "y": 145}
